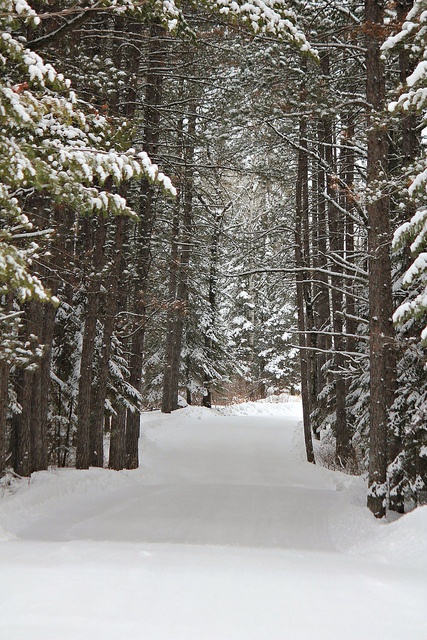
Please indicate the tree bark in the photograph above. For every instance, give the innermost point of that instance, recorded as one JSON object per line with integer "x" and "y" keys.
{"x": 124, "y": 102}
{"x": 21, "y": 427}
{"x": 4, "y": 386}
{"x": 4, "y": 395}
{"x": 382, "y": 350}
{"x": 176, "y": 324}
{"x": 98, "y": 404}
{"x": 39, "y": 407}
{"x": 42, "y": 382}
{"x": 321, "y": 289}
{"x": 28, "y": 439}
{"x": 153, "y": 100}
{"x": 347, "y": 162}
{"x": 212, "y": 298}
{"x": 301, "y": 278}
{"x": 336, "y": 243}
{"x": 83, "y": 452}
{"x": 117, "y": 459}
{"x": 167, "y": 395}
{"x": 139, "y": 292}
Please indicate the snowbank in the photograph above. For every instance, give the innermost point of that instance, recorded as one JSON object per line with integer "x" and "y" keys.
{"x": 262, "y": 408}
{"x": 45, "y": 491}
{"x": 403, "y": 542}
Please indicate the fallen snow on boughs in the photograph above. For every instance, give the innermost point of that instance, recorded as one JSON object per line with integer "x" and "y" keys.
{"x": 413, "y": 96}
{"x": 274, "y": 17}
{"x": 50, "y": 144}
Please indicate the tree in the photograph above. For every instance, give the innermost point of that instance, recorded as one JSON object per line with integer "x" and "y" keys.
{"x": 50, "y": 143}
{"x": 382, "y": 347}
{"x": 408, "y": 471}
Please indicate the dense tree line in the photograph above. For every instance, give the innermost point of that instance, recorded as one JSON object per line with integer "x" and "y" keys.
{"x": 355, "y": 162}
{"x": 210, "y": 197}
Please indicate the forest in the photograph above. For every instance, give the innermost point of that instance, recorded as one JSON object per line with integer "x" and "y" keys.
{"x": 208, "y": 202}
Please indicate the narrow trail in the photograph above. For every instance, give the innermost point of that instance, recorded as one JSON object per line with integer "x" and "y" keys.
{"x": 224, "y": 533}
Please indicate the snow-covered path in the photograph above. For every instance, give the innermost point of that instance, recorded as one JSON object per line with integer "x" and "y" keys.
{"x": 224, "y": 533}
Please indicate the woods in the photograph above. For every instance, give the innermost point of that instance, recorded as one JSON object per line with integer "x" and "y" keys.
{"x": 198, "y": 203}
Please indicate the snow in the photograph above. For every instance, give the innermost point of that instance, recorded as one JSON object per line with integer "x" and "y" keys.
{"x": 418, "y": 74}
{"x": 223, "y": 533}
{"x": 418, "y": 266}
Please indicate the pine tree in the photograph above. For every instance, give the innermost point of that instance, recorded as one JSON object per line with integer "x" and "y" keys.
{"x": 57, "y": 153}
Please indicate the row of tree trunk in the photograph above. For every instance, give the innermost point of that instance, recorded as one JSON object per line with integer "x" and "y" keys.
{"x": 332, "y": 231}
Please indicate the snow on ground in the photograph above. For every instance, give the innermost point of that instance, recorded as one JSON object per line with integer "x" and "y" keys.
{"x": 223, "y": 533}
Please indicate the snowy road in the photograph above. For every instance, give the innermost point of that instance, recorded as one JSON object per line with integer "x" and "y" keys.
{"x": 224, "y": 533}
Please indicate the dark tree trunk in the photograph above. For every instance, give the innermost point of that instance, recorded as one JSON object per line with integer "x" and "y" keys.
{"x": 212, "y": 298}
{"x": 336, "y": 243}
{"x": 382, "y": 349}
{"x": 126, "y": 57}
{"x": 28, "y": 441}
{"x": 321, "y": 289}
{"x": 347, "y": 175}
{"x": 172, "y": 359}
{"x": 40, "y": 394}
{"x": 117, "y": 459}
{"x": 4, "y": 385}
{"x": 4, "y": 396}
{"x": 301, "y": 278}
{"x": 168, "y": 403}
{"x": 30, "y": 437}
{"x": 306, "y": 281}
{"x": 176, "y": 327}
{"x": 133, "y": 419}
{"x": 98, "y": 404}
{"x": 140, "y": 283}
{"x": 153, "y": 100}
{"x": 21, "y": 428}
{"x": 83, "y": 452}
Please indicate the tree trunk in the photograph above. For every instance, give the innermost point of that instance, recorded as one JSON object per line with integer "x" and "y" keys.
{"x": 382, "y": 350}
{"x": 4, "y": 385}
{"x": 30, "y": 437}
{"x": 168, "y": 404}
{"x": 117, "y": 459}
{"x": 133, "y": 419}
{"x": 4, "y": 396}
{"x": 98, "y": 404}
{"x": 336, "y": 243}
{"x": 207, "y": 397}
{"x": 39, "y": 407}
{"x": 83, "y": 452}
{"x": 21, "y": 426}
{"x": 28, "y": 441}
{"x": 124, "y": 102}
{"x": 301, "y": 277}
{"x": 321, "y": 289}
{"x": 153, "y": 100}
{"x": 41, "y": 397}
{"x": 176, "y": 326}
{"x": 347, "y": 175}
